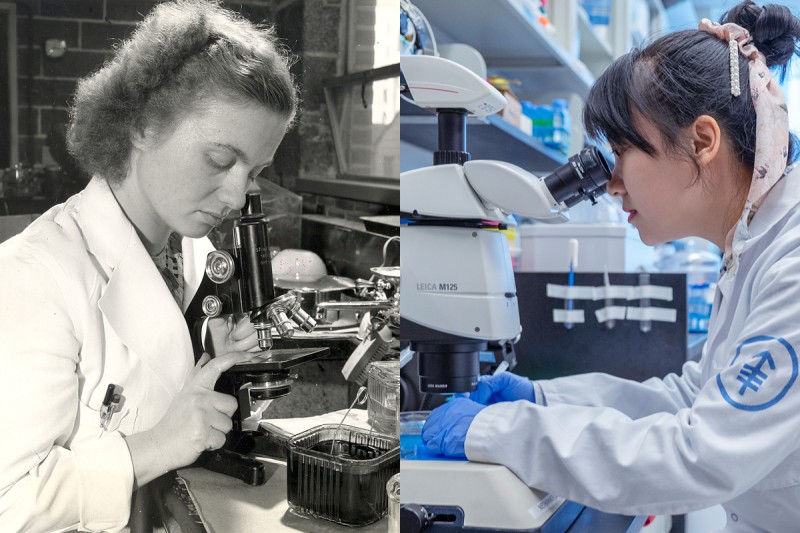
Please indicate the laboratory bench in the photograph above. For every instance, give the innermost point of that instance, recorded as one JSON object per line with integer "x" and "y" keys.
{"x": 588, "y": 521}
{"x": 592, "y": 521}
{"x": 227, "y": 504}
{"x": 199, "y": 500}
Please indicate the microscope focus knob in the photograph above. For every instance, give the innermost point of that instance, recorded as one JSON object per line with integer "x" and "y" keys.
{"x": 212, "y": 306}
{"x": 413, "y": 518}
{"x": 220, "y": 266}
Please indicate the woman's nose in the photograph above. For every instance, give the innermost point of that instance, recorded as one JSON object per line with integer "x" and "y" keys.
{"x": 234, "y": 190}
{"x": 615, "y": 186}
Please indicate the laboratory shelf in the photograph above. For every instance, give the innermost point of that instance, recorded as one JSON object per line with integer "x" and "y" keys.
{"x": 595, "y": 51}
{"x": 512, "y": 45}
{"x": 487, "y": 138}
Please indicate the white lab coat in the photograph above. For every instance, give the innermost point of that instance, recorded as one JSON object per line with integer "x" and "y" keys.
{"x": 719, "y": 433}
{"x": 83, "y": 305}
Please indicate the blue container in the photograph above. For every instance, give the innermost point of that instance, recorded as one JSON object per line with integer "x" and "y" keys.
{"x": 559, "y": 137}
{"x": 542, "y": 118}
{"x": 598, "y": 10}
{"x": 700, "y": 301}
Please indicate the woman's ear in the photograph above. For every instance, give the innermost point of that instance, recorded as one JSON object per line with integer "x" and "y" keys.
{"x": 141, "y": 138}
{"x": 706, "y": 139}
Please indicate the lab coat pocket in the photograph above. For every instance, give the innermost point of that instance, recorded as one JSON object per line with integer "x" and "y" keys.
{"x": 122, "y": 420}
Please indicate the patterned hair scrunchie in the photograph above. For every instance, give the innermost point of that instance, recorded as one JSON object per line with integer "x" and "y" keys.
{"x": 772, "y": 133}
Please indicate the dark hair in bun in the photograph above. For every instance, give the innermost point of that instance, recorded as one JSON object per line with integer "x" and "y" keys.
{"x": 774, "y": 29}
{"x": 685, "y": 74}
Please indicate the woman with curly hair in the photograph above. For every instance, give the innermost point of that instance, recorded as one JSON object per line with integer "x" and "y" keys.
{"x": 173, "y": 128}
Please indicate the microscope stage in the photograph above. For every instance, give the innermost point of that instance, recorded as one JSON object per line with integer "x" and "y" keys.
{"x": 281, "y": 359}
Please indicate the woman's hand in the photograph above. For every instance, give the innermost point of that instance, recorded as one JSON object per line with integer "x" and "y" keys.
{"x": 231, "y": 333}
{"x": 503, "y": 387}
{"x": 197, "y": 420}
{"x": 445, "y": 430}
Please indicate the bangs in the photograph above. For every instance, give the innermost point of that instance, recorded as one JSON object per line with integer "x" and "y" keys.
{"x": 608, "y": 113}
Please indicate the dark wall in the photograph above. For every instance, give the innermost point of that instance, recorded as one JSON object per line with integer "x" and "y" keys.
{"x": 316, "y": 31}
{"x": 90, "y": 28}
{"x": 5, "y": 112}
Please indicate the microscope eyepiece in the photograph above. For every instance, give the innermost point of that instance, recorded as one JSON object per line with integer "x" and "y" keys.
{"x": 582, "y": 177}
{"x": 252, "y": 205}
{"x": 245, "y": 284}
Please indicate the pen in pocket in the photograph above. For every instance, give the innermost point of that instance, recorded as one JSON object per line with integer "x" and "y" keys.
{"x": 110, "y": 406}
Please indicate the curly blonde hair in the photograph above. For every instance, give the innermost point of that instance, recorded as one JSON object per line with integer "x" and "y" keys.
{"x": 182, "y": 55}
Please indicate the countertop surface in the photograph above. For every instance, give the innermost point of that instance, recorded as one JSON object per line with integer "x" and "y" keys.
{"x": 593, "y": 521}
{"x": 227, "y": 505}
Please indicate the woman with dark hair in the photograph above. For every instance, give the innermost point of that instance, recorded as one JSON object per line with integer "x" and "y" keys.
{"x": 700, "y": 132}
{"x": 173, "y": 129}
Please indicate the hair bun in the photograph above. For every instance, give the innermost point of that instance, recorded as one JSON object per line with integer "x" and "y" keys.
{"x": 775, "y": 30}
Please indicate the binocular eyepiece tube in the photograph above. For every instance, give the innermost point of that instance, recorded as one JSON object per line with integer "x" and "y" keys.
{"x": 583, "y": 177}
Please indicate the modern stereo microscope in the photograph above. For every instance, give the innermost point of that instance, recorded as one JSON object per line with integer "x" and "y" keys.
{"x": 458, "y": 291}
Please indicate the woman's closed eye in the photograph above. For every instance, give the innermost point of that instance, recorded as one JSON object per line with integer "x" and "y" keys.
{"x": 220, "y": 163}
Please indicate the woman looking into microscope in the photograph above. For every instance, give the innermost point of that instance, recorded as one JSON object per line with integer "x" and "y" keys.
{"x": 173, "y": 129}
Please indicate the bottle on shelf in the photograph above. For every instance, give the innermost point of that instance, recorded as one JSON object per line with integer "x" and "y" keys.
{"x": 561, "y": 127}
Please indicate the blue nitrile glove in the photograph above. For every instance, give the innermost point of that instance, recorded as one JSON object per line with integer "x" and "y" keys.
{"x": 445, "y": 430}
{"x": 503, "y": 387}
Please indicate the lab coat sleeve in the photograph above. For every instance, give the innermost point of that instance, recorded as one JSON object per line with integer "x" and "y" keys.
{"x": 728, "y": 440}
{"x": 633, "y": 398}
{"x": 45, "y": 484}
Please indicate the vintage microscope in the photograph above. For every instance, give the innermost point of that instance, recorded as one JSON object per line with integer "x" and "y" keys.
{"x": 243, "y": 284}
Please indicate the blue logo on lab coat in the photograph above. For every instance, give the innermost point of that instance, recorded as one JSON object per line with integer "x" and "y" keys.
{"x": 762, "y": 378}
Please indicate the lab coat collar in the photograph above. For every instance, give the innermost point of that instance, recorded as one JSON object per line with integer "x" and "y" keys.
{"x": 107, "y": 230}
{"x": 136, "y": 302}
{"x": 781, "y": 199}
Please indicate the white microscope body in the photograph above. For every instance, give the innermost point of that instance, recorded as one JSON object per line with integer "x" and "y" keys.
{"x": 460, "y": 279}
{"x": 458, "y": 289}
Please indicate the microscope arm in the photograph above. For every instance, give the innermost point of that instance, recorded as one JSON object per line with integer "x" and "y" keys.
{"x": 479, "y": 190}
{"x": 512, "y": 189}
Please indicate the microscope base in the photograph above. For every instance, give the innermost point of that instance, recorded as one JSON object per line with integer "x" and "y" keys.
{"x": 480, "y": 497}
{"x": 272, "y": 366}
{"x": 249, "y": 470}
